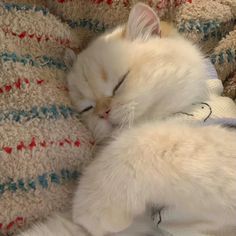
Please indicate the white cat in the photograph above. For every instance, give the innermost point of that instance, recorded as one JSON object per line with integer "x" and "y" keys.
{"x": 129, "y": 80}
{"x": 131, "y": 74}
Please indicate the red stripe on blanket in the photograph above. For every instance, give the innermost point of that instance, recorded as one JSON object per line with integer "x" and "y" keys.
{"x": 39, "y": 38}
{"x": 160, "y": 5}
{"x": 23, "y": 83}
{"x": 110, "y": 2}
{"x": 18, "y": 222}
{"x": 102, "y": 1}
{"x": 22, "y": 145}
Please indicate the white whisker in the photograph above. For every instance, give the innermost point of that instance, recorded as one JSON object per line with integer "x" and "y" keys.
{"x": 127, "y": 114}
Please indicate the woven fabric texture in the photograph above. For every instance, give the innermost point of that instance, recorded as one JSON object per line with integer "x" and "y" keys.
{"x": 230, "y": 86}
{"x": 43, "y": 144}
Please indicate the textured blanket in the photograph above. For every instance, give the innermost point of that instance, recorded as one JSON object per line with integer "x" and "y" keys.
{"x": 43, "y": 144}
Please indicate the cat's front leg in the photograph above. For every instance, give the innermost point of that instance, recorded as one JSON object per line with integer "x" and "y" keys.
{"x": 117, "y": 187}
{"x": 114, "y": 189}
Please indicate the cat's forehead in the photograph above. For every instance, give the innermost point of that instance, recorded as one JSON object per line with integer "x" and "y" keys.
{"x": 101, "y": 67}
{"x": 92, "y": 79}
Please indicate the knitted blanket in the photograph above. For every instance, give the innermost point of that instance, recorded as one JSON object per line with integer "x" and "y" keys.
{"x": 43, "y": 144}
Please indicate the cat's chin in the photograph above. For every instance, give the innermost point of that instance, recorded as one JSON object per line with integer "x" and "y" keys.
{"x": 119, "y": 125}
{"x": 114, "y": 126}
{"x": 105, "y": 129}
{"x": 101, "y": 129}
{"x": 115, "y": 123}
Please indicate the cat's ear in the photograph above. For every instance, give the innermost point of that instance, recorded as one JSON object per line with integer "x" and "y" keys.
{"x": 69, "y": 57}
{"x": 143, "y": 22}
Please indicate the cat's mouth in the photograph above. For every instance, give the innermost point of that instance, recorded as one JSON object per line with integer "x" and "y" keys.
{"x": 113, "y": 124}
{"x": 118, "y": 125}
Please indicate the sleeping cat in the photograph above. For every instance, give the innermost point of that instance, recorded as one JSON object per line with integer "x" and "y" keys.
{"x": 131, "y": 74}
{"x": 127, "y": 82}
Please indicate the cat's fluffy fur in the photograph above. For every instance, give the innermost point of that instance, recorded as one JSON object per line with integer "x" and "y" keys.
{"x": 188, "y": 171}
{"x": 165, "y": 75}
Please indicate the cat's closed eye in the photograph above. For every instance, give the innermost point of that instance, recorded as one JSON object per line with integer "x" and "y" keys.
{"x": 90, "y": 107}
{"x": 86, "y": 109}
{"x": 120, "y": 82}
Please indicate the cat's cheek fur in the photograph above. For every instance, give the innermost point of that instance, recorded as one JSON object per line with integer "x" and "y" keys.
{"x": 121, "y": 116}
{"x": 100, "y": 128}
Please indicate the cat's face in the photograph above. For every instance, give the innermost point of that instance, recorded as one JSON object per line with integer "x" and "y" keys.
{"x": 103, "y": 75}
{"x": 114, "y": 81}
{"x": 105, "y": 81}
{"x": 109, "y": 83}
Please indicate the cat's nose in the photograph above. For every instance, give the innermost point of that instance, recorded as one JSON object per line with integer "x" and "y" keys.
{"x": 105, "y": 114}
